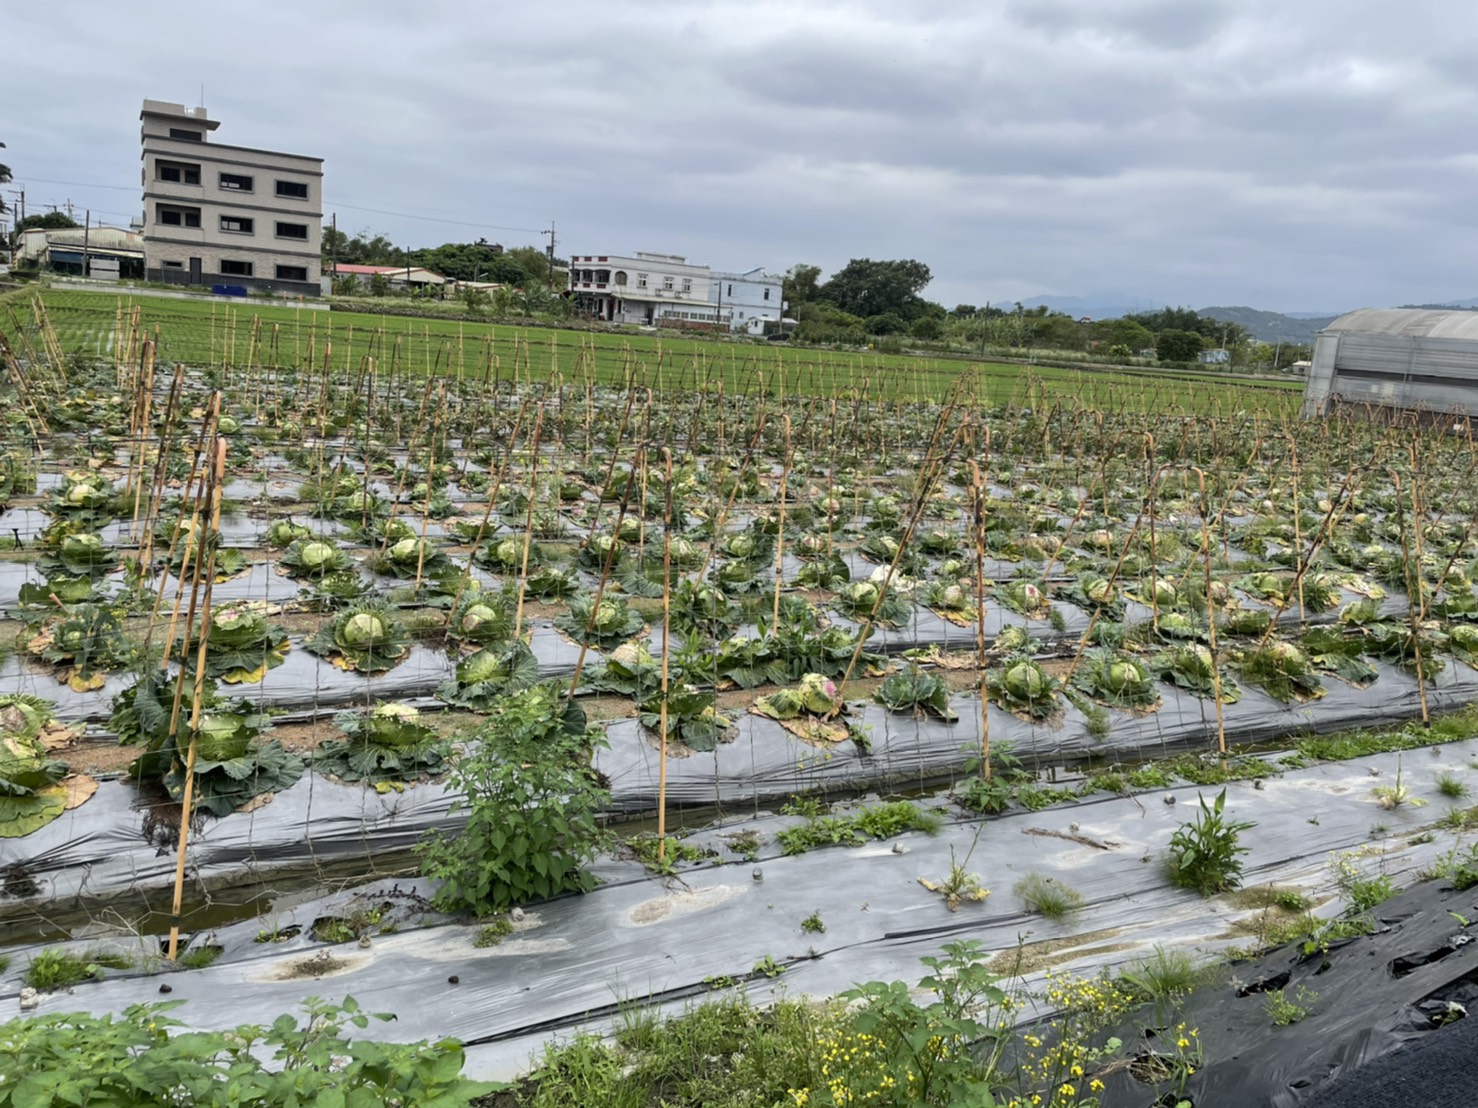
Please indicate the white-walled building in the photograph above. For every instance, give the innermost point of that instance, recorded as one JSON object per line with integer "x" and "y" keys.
{"x": 747, "y": 301}
{"x": 667, "y": 290}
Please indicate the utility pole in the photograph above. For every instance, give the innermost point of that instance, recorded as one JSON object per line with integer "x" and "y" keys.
{"x": 86, "y": 240}
{"x": 550, "y": 233}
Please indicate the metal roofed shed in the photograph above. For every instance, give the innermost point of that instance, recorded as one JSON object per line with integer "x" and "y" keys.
{"x": 1392, "y": 361}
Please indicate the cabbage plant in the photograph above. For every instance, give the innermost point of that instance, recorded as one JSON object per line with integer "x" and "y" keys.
{"x": 233, "y": 763}
{"x": 1024, "y": 688}
{"x": 698, "y": 607}
{"x": 88, "y": 640}
{"x": 242, "y": 644}
{"x": 79, "y": 555}
{"x": 629, "y": 670}
{"x": 1192, "y": 668}
{"x": 1334, "y": 652}
{"x": 364, "y": 638}
{"x": 824, "y": 573}
{"x": 692, "y": 718}
{"x": 952, "y": 600}
{"x": 815, "y": 695}
{"x": 505, "y": 552}
{"x": 313, "y": 559}
{"x": 918, "y": 691}
{"x": 1026, "y": 598}
{"x": 1116, "y": 680}
{"x": 602, "y": 625}
{"x": 1283, "y": 671}
{"x": 284, "y": 532}
{"x": 482, "y": 617}
{"x": 481, "y": 678}
{"x": 409, "y": 557}
{"x": 860, "y": 599}
{"x": 31, "y": 795}
{"x": 388, "y": 744}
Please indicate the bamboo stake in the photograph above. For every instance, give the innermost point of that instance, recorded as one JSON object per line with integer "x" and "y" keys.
{"x": 666, "y": 643}
{"x": 217, "y": 478}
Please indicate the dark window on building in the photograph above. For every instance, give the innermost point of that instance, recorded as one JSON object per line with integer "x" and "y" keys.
{"x": 292, "y": 230}
{"x": 238, "y": 224}
{"x": 181, "y": 173}
{"x": 236, "y": 182}
{"x": 234, "y": 268}
{"x": 767, "y": 294}
{"x": 178, "y": 217}
{"x": 296, "y": 190}
{"x": 186, "y": 135}
{"x": 292, "y": 273}
{"x": 172, "y": 265}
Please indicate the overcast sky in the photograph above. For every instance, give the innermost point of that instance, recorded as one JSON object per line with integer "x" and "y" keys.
{"x": 1290, "y": 155}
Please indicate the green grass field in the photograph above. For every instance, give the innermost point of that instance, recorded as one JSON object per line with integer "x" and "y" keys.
{"x": 205, "y": 332}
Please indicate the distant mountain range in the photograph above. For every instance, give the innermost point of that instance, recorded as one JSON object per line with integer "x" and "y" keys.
{"x": 1295, "y": 327}
{"x": 1272, "y": 326}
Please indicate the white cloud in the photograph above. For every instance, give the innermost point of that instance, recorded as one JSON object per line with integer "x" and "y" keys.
{"x": 1282, "y": 155}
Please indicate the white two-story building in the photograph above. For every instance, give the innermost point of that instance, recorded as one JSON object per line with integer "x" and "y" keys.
{"x": 666, "y": 290}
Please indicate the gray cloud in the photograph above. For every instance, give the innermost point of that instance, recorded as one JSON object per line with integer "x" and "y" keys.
{"x": 1289, "y": 156}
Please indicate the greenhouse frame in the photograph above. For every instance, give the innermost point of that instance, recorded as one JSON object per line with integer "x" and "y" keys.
{"x": 1395, "y": 361}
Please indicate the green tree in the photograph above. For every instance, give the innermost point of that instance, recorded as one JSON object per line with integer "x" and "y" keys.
{"x": 1133, "y": 336}
{"x": 867, "y": 288}
{"x": 928, "y": 328}
{"x": 886, "y": 323}
{"x": 801, "y": 285}
{"x": 1178, "y": 346}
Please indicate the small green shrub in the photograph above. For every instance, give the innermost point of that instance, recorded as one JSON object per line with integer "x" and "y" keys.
{"x": 882, "y": 822}
{"x": 1048, "y": 897}
{"x": 1205, "y": 854}
{"x": 52, "y": 970}
{"x": 1284, "y": 1011}
{"x": 1163, "y": 978}
{"x": 1451, "y": 786}
{"x": 494, "y": 933}
{"x": 533, "y": 806}
{"x": 813, "y": 924}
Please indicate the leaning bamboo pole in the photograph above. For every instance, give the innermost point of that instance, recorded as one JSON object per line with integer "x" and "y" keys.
{"x": 187, "y": 799}
{"x": 666, "y": 651}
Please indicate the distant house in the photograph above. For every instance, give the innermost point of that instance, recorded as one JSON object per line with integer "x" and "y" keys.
{"x": 222, "y": 215}
{"x": 106, "y": 253}
{"x": 747, "y": 301}
{"x": 667, "y": 290}
{"x": 1219, "y": 356}
{"x": 398, "y": 277}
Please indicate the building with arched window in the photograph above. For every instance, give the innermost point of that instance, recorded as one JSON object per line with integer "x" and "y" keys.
{"x": 667, "y": 290}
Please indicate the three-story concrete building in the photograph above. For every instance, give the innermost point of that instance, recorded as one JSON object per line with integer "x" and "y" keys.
{"x": 219, "y": 215}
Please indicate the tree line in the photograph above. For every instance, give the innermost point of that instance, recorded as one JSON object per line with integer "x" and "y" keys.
{"x": 520, "y": 266}
{"x": 869, "y": 300}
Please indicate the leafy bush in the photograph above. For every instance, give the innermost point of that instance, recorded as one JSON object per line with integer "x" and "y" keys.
{"x": 1205, "y": 854}
{"x": 133, "y": 1059}
{"x": 532, "y": 803}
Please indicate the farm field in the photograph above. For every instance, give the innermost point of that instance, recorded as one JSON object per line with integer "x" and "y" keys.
{"x": 205, "y": 333}
{"x": 797, "y": 663}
